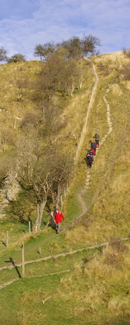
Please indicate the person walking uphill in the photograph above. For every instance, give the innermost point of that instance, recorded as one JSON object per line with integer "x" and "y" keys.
{"x": 58, "y": 219}
{"x": 93, "y": 148}
{"x": 96, "y": 136}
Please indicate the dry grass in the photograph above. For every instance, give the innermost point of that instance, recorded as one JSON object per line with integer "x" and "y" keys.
{"x": 103, "y": 283}
{"x": 111, "y": 58}
{"x": 116, "y": 90}
{"x": 2, "y": 236}
{"x": 76, "y": 235}
{"x": 75, "y": 113}
{"x": 119, "y": 306}
{"x": 126, "y": 84}
{"x": 120, "y": 184}
{"x": 110, "y": 211}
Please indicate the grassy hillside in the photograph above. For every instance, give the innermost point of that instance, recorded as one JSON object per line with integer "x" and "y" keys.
{"x": 87, "y": 285}
{"x": 109, "y": 211}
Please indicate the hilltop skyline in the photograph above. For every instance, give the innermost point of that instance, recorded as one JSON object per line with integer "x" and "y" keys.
{"x": 25, "y": 23}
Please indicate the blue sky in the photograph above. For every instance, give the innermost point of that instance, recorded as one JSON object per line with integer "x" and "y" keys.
{"x": 27, "y": 23}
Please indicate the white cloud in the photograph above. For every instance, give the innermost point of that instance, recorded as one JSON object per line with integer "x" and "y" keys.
{"x": 47, "y": 20}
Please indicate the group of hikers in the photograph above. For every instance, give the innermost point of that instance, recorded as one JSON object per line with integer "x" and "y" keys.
{"x": 58, "y": 216}
{"x": 92, "y": 152}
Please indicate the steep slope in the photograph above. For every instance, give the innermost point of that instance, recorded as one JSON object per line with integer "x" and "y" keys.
{"x": 107, "y": 198}
{"x": 85, "y": 284}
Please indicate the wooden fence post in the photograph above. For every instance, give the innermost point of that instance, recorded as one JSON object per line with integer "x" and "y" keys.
{"x": 29, "y": 227}
{"x": 23, "y": 269}
{"x": 6, "y": 238}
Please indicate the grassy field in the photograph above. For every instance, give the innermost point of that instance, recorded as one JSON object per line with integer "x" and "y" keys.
{"x": 91, "y": 286}
{"x": 93, "y": 290}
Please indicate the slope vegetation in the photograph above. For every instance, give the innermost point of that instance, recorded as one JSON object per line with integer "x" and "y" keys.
{"x": 83, "y": 273}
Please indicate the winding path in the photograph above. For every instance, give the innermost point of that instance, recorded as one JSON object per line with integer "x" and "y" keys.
{"x": 83, "y": 133}
{"x": 88, "y": 178}
{"x": 103, "y": 139}
{"x": 79, "y": 196}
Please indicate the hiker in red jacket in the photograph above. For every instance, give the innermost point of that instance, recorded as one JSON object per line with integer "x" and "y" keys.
{"x": 93, "y": 147}
{"x": 58, "y": 219}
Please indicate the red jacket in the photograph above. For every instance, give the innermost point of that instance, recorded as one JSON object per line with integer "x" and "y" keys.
{"x": 94, "y": 152}
{"x": 58, "y": 217}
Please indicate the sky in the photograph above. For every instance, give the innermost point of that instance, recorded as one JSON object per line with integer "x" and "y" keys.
{"x": 27, "y": 23}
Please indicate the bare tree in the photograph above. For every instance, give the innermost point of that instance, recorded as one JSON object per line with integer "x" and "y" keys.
{"x": 77, "y": 48}
{"x": 3, "y": 53}
{"x": 57, "y": 74}
{"x": 73, "y": 45}
{"x": 44, "y": 50}
{"x": 33, "y": 172}
{"x": 62, "y": 165}
{"x": 126, "y": 52}
{"x": 7, "y": 137}
{"x": 8, "y": 174}
{"x": 88, "y": 44}
{"x": 42, "y": 169}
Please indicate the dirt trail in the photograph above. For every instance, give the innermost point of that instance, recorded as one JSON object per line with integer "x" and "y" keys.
{"x": 80, "y": 144}
{"x": 81, "y": 201}
{"x": 87, "y": 184}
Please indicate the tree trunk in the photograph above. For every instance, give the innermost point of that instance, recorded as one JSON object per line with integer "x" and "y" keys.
{"x": 13, "y": 197}
{"x": 40, "y": 209}
{"x": 80, "y": 84}
{"x": 58, "y": 194}
{"x": 72, "y": 89}
{"x": 54, "y": 198}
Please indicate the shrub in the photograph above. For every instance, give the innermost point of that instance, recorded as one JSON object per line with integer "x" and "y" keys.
{"x": 18, "y": 57}
{"x": 126, "y": 52}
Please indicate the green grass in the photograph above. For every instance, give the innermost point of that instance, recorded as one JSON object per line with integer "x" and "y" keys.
{"x": 85, "y": 295}
{"x": 53, "y": 265}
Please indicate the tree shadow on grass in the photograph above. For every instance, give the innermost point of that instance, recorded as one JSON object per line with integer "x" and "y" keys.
{"x": 117, "y": 321}
{"x": 11, "y": 260}
{"x": 3, "y": 242}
